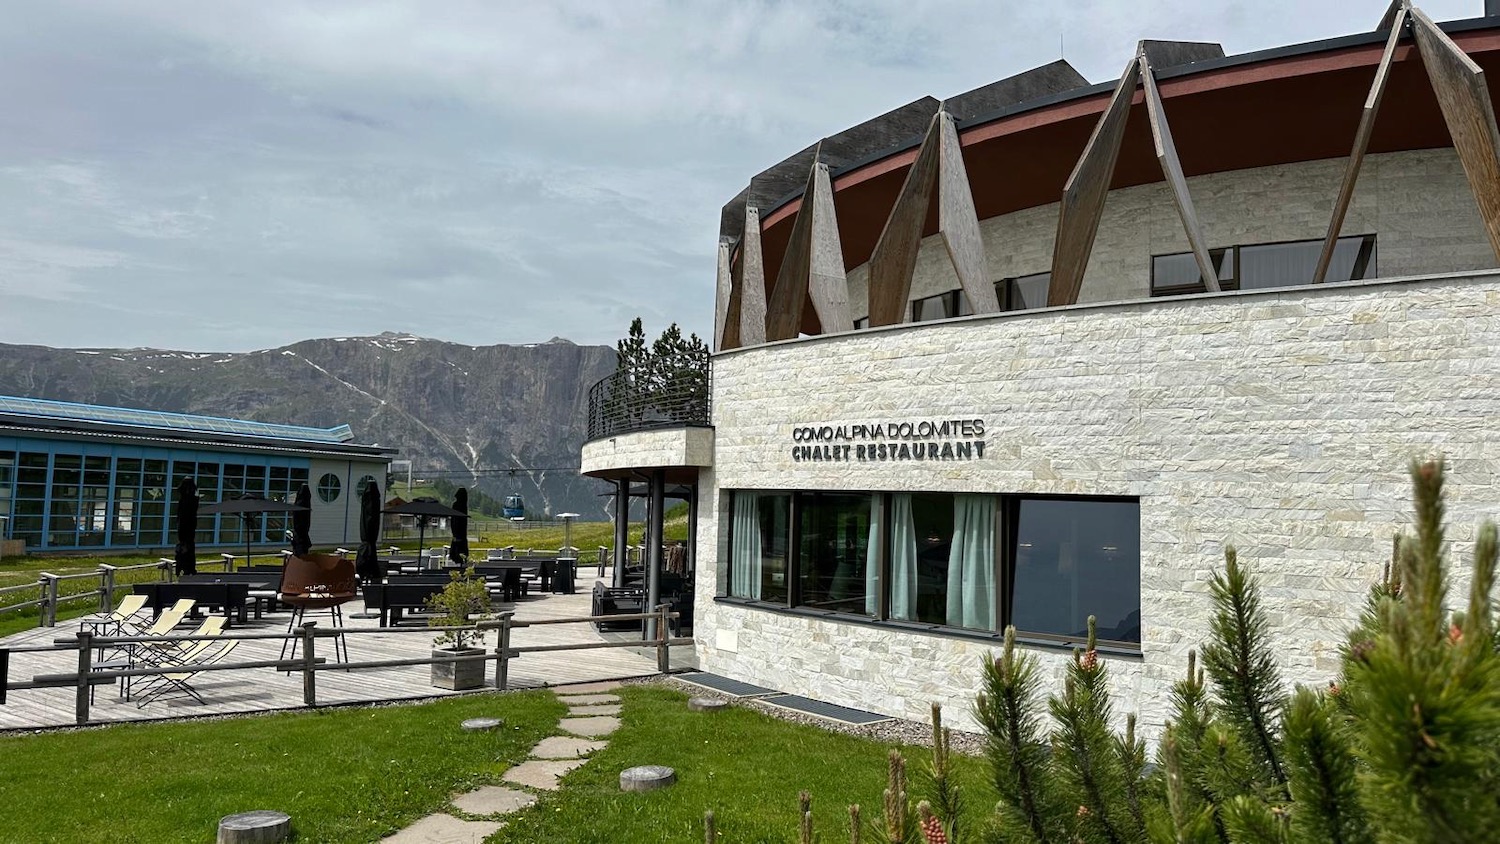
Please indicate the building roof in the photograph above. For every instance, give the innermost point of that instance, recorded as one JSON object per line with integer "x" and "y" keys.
{"x": 1284, "y": 105}
{"x": 47, "y": 416}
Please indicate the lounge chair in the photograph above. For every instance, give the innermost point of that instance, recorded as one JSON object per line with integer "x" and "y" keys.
{"x": 113, "y": 623}
{"x": 169, "y": 619}
{"x": 190, "y": 656}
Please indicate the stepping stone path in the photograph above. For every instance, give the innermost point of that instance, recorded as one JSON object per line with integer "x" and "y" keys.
{"x": 591, "y": 708}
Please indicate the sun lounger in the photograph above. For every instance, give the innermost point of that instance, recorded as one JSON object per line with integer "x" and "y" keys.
{"x": 190, "y": 656}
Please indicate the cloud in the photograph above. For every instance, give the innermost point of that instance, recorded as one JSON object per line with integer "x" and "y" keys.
{"x": 253, "y": 173}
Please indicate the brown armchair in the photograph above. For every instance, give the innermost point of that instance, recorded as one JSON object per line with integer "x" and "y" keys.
{"x": 317, "y": 582}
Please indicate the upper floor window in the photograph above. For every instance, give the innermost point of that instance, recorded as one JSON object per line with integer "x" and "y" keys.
{"x": 1264, "y": 265}
{"x": 942, "y": 306}
{"x": 1023, "y": 293}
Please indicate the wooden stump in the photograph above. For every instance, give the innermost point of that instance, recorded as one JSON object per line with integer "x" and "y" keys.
{"x": 260, "y": 827}
{"x": 707, "y": 704}
{"x": 647, "y": 778}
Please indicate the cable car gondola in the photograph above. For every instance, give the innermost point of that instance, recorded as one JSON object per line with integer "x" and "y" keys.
{"x": 515, "y": 508}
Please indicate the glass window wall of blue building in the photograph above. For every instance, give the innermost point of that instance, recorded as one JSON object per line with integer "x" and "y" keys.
{"x": 61, "y": 494}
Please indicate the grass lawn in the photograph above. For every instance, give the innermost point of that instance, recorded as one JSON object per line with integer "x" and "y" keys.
{"x": 747, "y": 767}
{"x": 356, "y": 775}
{"x": 351, "y": 775}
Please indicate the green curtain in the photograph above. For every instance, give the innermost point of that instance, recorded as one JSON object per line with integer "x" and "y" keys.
{"x": 744, "y": 556}
{"x": 872, "y": 559}
{"x": 903, "y": 559}
{"x": 971, "y": 563}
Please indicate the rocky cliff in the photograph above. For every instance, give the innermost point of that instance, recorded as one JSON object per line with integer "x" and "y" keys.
{"x": 466, "y": 411}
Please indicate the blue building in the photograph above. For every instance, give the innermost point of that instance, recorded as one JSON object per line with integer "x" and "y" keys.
{"x": 78, "y": 476}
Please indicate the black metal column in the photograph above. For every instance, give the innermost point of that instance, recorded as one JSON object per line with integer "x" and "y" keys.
{"x": 622, "y": 529}
{"x": 657, "y": 491}
{"x": 692, "y": 540}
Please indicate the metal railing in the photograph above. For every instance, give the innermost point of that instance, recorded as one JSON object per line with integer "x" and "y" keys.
{"x": 85, "y": 645}
{"x": 619, "y": 403}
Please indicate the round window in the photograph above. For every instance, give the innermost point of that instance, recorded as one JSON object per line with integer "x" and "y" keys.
{"x": 328, "y": 487}
{"x": 359, "y": 488}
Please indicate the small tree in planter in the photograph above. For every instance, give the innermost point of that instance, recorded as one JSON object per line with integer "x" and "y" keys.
{"x": 462, "y": 602}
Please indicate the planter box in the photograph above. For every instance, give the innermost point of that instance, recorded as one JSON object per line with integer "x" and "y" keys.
{"x": 458, "y": 676}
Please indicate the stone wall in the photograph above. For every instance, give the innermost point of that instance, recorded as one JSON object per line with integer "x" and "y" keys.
{"x": 661, "y": 448}
{"x": 1418, "y": 204}
{"x": 1279, "y": 421}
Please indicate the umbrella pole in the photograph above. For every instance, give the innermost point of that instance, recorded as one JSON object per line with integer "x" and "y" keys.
{"x": 246, "y": 517}
{"x": 421, "y": 537}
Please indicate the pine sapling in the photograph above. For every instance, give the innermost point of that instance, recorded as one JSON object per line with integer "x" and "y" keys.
{"x": 1084, "y": 751}
{"x": 1189, "y": 817}
{"x": 1240, "y": 660}
{"x": 1250, "y": 821}
{"x": 930, "y": 825}
{"x": 942, "y": 792}
{"x": 1423, "y": 693}
{"x": 1324, "y": 774}
{"x": 898, "y": 827}
{"x": 1030, "y": 807}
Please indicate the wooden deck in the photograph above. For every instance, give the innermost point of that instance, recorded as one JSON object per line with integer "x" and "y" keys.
{"x": 261, "y": 689}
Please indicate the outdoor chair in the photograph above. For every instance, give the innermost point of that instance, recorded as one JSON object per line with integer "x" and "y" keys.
{"x": 320, "y": 583}
{"x": 163, "y": 623}
{"x": 113, "y": 623}
{"x": 192, "y": 657}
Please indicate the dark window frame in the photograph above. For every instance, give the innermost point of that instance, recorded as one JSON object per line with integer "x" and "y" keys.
{"x": 1366, "y": 264}
{"x": 1007, "y": 522}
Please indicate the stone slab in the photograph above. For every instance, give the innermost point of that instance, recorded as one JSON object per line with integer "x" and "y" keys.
{"x": 565, "y": 747}
{"x": 647, "y": 778}
{"x": 592, "y": 727}
{"x": 482, "y": 724}
{"x": 443, "y": 828}
{"x": 493, "y": 800}
{"x": 587, "y": 700}
{"x": 541, "y": 774}
{"x": 585, "y": 711}
{"x": 588, "y": 688}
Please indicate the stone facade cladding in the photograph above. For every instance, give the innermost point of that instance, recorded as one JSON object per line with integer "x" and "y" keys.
{"x": 1281, "y": 422}
{"x": 1417, "y": 204}
{"x": 659, "y": 448}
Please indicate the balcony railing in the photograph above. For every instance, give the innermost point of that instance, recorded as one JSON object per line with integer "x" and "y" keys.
{"x": 620, "y": 403}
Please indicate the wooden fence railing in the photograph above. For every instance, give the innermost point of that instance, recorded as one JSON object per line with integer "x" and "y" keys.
{"x": 308, "y": 663}
{"x": 50, "y": 595}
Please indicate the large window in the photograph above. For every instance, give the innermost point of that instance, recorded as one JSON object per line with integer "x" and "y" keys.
{"x": 7, "y": 478}
{"x": 1264, "y": 265}
{"x": 834, "y": 549}
{"x": 1073, "y": 559}
{"x": 760, "y": 539}
{"x": 945, "y": 560}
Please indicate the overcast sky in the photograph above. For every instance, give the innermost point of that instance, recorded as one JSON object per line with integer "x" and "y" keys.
{"x": 231, "y": 176}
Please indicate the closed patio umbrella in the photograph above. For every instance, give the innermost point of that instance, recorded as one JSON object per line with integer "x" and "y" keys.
{"x": 185, "y": 556}
{"x": 249, "y": 507}
{"x": 302, "y": 523}
{"x": 458, "y": 549}
{"x": 366, "y": 563}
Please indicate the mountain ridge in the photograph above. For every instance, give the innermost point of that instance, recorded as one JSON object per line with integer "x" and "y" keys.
{"x": 466, "y": 411}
